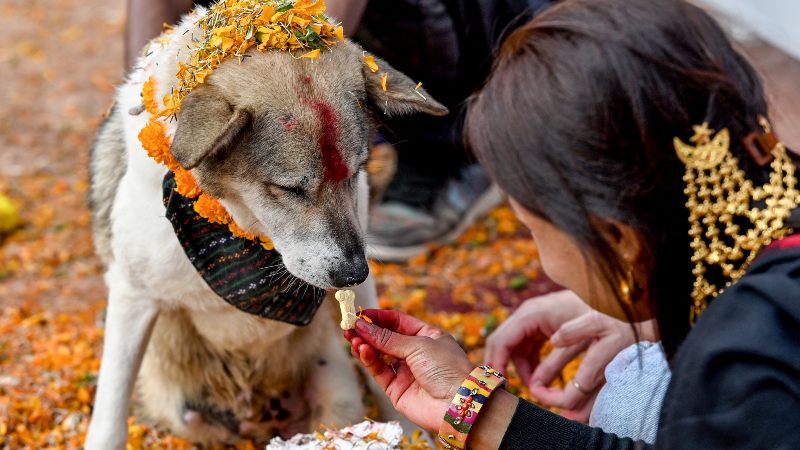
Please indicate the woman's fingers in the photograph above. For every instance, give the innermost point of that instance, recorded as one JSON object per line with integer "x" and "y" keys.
{"x": 552, "y": 365}
{"x": 382, "y": 373}
{"x": 395, "y": 378}
{"x": 497, "y": 356}
{"x": 591, "y": 373}
{"x": 579, "y": 391}
{"x": 401, "y": 323}
{"x": 500, "y": 344}
{"x": 588, "y": 379}
{"x": 571, "y": 397}
{"x": 367, "y": 354}
{"x": 589, "y": 325}
{"x": 387, "y": 341}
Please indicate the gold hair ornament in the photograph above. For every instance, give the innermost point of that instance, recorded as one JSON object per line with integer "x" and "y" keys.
{"x": 720, "y": 198}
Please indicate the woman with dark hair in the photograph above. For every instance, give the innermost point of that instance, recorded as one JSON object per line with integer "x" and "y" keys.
{"x": 634, "y": 143}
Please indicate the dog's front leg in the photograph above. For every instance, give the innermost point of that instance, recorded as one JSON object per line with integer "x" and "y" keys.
{"x": 335, "y": 394}
{"x": 129, "y": 321}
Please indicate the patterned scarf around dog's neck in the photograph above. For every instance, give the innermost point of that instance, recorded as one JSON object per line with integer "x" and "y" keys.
{"x": 242, "y": 272}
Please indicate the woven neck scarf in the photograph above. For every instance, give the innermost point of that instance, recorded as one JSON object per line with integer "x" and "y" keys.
{"x": 240, "y": 271}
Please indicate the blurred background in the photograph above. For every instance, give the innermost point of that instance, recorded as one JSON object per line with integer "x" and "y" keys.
{"x": 60, "y": 61}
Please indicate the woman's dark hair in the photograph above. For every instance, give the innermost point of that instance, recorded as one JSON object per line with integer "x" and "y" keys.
{"x": 577, "y": 119}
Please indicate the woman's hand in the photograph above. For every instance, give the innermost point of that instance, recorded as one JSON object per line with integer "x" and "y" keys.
{"x": 520, "y": 338}
{"x": 603, "y": 337}
{"x": 422, "y": 368}
{"x": 572, "y": 328}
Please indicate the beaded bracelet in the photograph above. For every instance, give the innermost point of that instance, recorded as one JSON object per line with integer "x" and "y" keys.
{"x": 467, "y": 404}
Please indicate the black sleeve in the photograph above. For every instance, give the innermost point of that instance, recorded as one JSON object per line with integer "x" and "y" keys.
{"x": 736, "y": 379}
{"x": 533, "y": 428}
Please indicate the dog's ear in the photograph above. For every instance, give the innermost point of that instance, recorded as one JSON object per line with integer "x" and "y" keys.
{"x": 207, "y": 125}
{"x": 401, "y": 96}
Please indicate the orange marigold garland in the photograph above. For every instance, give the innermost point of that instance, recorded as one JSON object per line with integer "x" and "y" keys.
{"x": 229, "y": 28}
{"x": 156, "y": 143}
{"x": 149, "y": 96}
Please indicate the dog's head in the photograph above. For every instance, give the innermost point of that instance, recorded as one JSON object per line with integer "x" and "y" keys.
{"x": 282, "y": 142}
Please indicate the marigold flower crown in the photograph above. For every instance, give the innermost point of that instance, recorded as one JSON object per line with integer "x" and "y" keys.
{"x": 228, "y": 29}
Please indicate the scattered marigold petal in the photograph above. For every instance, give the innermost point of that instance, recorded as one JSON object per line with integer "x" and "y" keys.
{"x": 384, "y": 79}
{"x": 313, "y": 54}
{"x": 339, "y": 33}
{"x": 369, "y": 60}
{"x": 362, "y": 316}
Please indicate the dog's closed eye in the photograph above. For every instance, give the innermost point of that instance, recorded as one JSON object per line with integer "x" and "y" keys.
{"x": 298, "y": 191}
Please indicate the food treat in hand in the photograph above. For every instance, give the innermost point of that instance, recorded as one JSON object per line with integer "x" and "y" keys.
{"x": 347, "y": 305}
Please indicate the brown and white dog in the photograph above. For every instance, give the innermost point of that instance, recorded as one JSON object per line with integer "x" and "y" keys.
{"x": 258, "y": 136}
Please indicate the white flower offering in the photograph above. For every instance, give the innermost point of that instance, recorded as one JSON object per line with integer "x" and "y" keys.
{"x": 366, "y": 435}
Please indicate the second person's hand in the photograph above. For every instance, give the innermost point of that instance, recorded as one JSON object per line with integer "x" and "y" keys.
{"x": 519, "y": 339}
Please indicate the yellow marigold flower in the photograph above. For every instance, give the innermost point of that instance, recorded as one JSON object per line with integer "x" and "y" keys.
{"x": 172, "y": 103}
{"x": 201, "y": 75}
{"x": 209, "y": 208}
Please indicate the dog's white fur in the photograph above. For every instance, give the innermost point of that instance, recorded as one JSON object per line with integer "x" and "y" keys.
{"x": 150, "y": 275}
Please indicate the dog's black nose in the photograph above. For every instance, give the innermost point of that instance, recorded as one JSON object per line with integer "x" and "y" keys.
{"x": 350, "y": 274}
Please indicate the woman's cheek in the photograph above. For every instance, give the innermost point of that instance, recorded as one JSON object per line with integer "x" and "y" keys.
{"x": 555, "y": 261}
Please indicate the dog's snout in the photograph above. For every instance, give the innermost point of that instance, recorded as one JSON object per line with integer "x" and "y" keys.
{"x": 351, "y": 273}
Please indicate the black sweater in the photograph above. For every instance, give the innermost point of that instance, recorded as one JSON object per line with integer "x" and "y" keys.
{"x": 735, "y": 381}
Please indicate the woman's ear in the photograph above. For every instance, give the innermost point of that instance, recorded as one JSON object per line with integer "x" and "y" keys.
{"x": 401, "y": 96}
{"x": 624, "y": 239}
{"x": 207, "y": 125}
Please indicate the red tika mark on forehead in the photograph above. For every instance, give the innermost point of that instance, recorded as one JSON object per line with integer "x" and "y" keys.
{"x": 334, "y": 167}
